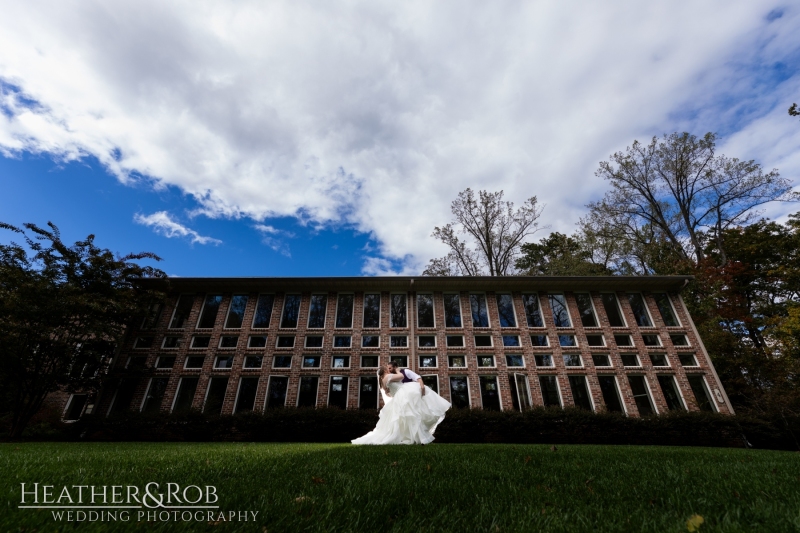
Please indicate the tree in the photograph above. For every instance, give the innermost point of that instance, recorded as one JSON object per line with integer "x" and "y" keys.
{"x": 62, "y": 311}
{"x": 794, "y": 110}
{"x": 559, "y": 255}
{"x": 494, "y": 230}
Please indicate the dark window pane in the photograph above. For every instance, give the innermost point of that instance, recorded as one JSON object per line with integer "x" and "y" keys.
{"x": 155, "y": 395}
{"x": 486, "y": 360}
{"x": 285, "y": 341}
{"x": 427, "y": 361}
{"x": 372, "y": 310}
{"x": 601, "y": 360}
{"x": 640, "y": 395}
{"x": 457, "y": 361}
{"x": 401, "y": 360}
{"x": 236, "y": 311}
{"x": 623, "y": 340}
{"x": 344, "y": 311}
{"x": 670, "y": 391}
{"x": 76, "y": 405}
{"x": 316, "y": 310}
{"x": 651, "y": 340}
{"x": 125, "y": 392}
{"x": 549, "y": 391}
{"x": 459, "y": 392}
{"x": 307, "y": 396}
{"x": 595, "y": 340}
{"x": 314, "y": 341}
{"x": 431, "y": 382}
{"x": 224, "y": 362}
{"x": 337, "y": 397}
{"x": 452, "y": 310}
{"x": 282, "y": 361}
{"x": 182, "y": 310}
{"x": 664, "y": 307}
{"x": 425, "y": 310}
{"x": 539, "y": 340}
{"x": 532, "y": 312}
{"x": 263, "y": 312}
{"x": 584, "y": 302}
{"x": 276, "y": 395}
{"x": 201, "y": 341}
{"x": 291, "y": 311}
{"x": 398, "y": 341}
{"x": 229, "y": 341}
{"x": 480, "y": 316}
{"x": 511, "y": 340}
{"x": 247, "y": 395}
{"x": 311, "y": 361}
{"x": 560, "y": 313}
{"x": 514, "y": 360}
{"x": 679, "y": 340}
{"x": 185, "y": 396}
{"x": 608, "y": 387}
{"x": 580, "y": 392}
{"x": 369, "y": 361}
{"x": 639, "y": 310}
{"x": 253, "y": 361}
{"x": 165, "y": 362}
{"x": 572, "y": 359}
{"x": 629, "y": 359}
{"x": 208, "y": 316}
{"x": 257, "y": 341}
{"x": 455, "y": 341}
{"x": 483, "y": 340}
{"x": 505, "y": 311}
{"x": 368, "y": 393}
{"x": 427, "y": 341}
{"x": 194, "y": 361}
{"x": 143, "y": 343}
{"x": 687, "y": 359}
{"x": 370, "y": 341}
{"x": 341, "y": 361}
{"x": 567, "y": 340}
{"x": 397, "y": 311}
{"x": 153, "y": 315}
{"x": 341, "y": 341}
{"x": 700, "y": 393}
{"x": 612, "y": 310}
{"x": 520, "y": 395}
{"x": 544, "y": 360}
{"x": 490, "y": 394}
{"x": 172, "y": 342}
{"x": 659, "y": 359}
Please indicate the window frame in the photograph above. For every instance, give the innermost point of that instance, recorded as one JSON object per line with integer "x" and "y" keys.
{"x": 538, "y": 307}
{"x": 68, "y": 406}
{"x": 491, "y": 341}
{"x": 693, "y": 355}
{"x": 175, "y": 310}
{"x": 546, "y": 339}
{"x": 147, "y": 392}
{"x": 193, "y": 347}
{"x": 291, "y": 362}
{"x": 269, "y": 386}
{"x": 283, "y": 310}
{"x": 496, "y": 379}
{"x": 420, "y": 365}
{"x": 324, "y": 312}
{"x": 646, "y": 310}
{"x": 638, "y": 360}
{"x": 550, "y": 297}
{"x": 250, "y": 337}
{"x": 666, "y": 358}
{"x": 435, "y": 376}
{"x": 447, "y": 341}
{"x": 524, "y": 377}
{"x": 435, "y": 342}
{"x": 574, "y": 338}
{"x": 299, "y": 391}
{"x": 307, "y": 347}
{"x": 398, "y": 347}
{"x": 193, "y": 369}
{"x": 444, "y": 308}
{"x": 160, "y": 356}
{"x": 683, "y": 407}
{"x": 593, "y": 406}
{"x": 488, "y": 315}
{"x": 218, "y": 357}
{"x": 249, "y": 368}
{"x": 219, "y": 343}
{"x": 391, "y": 306}
{"x": 672, "y": 308}
{"x": 709, "y": 395}
{"x": 512, "y": 346}
{"x": 346, "y": 391}
{"x": 278, "y": 339}
{"x": 463, "y": 357}
{"x": 592, "y": 308}
{"x": 558, "y": 390}
{"x": 364, "y": 310}
{"x": 203, "y": 308}
{"x": 317, "y": 358}
{"x": 238, "y": 392}
{"x": 651, "y": 346}
{"x": 564, "y": 360}
{"x": 433, "y": 309}
{"x": 521, "y": 355}
{"x": 619, "y": 310}
{"x": 178, "y": 391}
{"x": 335, "y": 356}
{"x": 348, "y": 347}
{"x": 255, "y": 311}
{"x": 607, "y": 356}
{"x": 497, "y": 296}
{"x": 361, "y": 360}
{"x": 208, "y": 391}
{"x": 364, "y": 337}
{"x": 618, "y": 391}
{"x": 649, "y": 390}
{"x": 478, "y": 358}
{"x": 536, "y": 363}
{"x": 602, "y": 339}
{"x": 352, "y": 312}
{"x": 469, "y": 389}
{"x": 378, "y": 395}
{"x": 680, "y": 346}
{"x": 176, "y": 347}
{"x": 230, "y": 307}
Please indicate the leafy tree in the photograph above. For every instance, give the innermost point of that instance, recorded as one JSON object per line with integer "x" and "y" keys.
{"x": 559, "y": 255}
{"x": 494, "y": 230}
{"x": 794, "y": 110}
{"x": 62, "y": 311}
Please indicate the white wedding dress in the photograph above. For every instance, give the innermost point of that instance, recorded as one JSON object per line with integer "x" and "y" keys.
{"x": 407, "y": 417}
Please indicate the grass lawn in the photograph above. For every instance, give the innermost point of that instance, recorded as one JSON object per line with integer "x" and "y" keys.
{"x": 441, "y": 487}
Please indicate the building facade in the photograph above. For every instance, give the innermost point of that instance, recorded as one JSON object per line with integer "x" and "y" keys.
{"x": 230, "y": 345}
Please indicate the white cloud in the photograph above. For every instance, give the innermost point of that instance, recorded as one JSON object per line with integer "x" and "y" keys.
{"x": 268, "y": 237}
{"x": 164, "y": 225}
{"x": 376, "y": 114}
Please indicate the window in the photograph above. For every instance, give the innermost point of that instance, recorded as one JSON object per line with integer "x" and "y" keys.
{"x": 490, "y": 395}
{"x": 401, "y": 360}
{"x": 595, "y": 340}
{"x": 276, "y": 392}
{"x": 341, "y": 341}
{"x": 372, "y": 311}
{"x": 515, "y": 361}
{"x": 580, "y": 392}
{"x": 671, "y": 394}
{"x": 572, "y": 359}
{"x": 121, "y": 401}
{"x": 165, "y": 362}
{"x": 282, "y": 361}
{"x": 550, "y": 394}
{"x": 337, "y": 394}
{"x": 398, "y": 341}
{"x": 483, "y": 341}
{"x": 136, "y": 363}
{"x": 567, "y": 340}
{"x": 215, "y": 395}
{"x": 143, "y": 343}
{"x": 544, "y": 360}
{"x": 370, "y": 341}
{"x": 314, "y": 341}
{"x": 236, "y": 311}
{"x": 586, "y": 310}
{"x": 200, "y": 341}
{"x": 520, "y": 393}
{"x": 665, "y": 308}
{"x": 426, "y": 341}
{"x": 75, "y": 406}
{"x": 687, "y": 359}
{"x": 307, "y": 391}
{"x": 155, "y": 395}
{"x": 505, "y": 311}
{"x": 610, "y": 392}
{"x": 208, "y": 315}
{"x": 246, "y": 397}
{"x": 601, "y": 359}
{"x": 532, "y": 312}
{"x": 558, "y": 304}
{"x": 425, "y": 318}
{"x": 651, "y": 340}
{"x": 340, "y": 361}
{"x": 629, "y": 359}
{"x": 223, "y": 362}
{"x": 623, "y": 340}
{"x": 285, "y": 341}
{"x": 311, "y": 361}
{"x": 253, "y": 361}
{"x": 641, "y": 395}
{"x": 369, "y": 361}
{"x": 539, "y": 340}
{"x": 257, "y": 341}
{"x": 291, "y": 311}
{"x": 152, "y": 316}
{"x": 486, "y": 361}
{"x": 457, "y": 361}
{"x": 187, "y": 387}
{"x": 611, "y": 308}
{"x": 263, "y": 314}
{"x": 317, "y": 307}
{"x": 701, "y": 395}
{"x": 182, "y": 309}
{"x": 229, "y": 341}
{"x": 455, "y": 341}
{"x": 452, "y": 310}
{"x": 459, "y": 392}
{"x": 344, "y": 311}
{"x": 659, "y": 359}
{"x": 511, "y": 340}
{"x": 368, "y": 393}
{"x": 480, "y": 316}
{"x": 194, "y": 362}
{"x": 172, "y": 342}
{"x": 397, "y": 311}
{"x": 679, "y": 340}
{"x": 427, "y": 361}
{"x": 432, "y": 382}
{"x": 639, "y": 310}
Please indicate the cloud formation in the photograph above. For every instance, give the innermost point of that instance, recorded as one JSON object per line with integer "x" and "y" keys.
{"x": 374, "y": 115}
{"x": 163, "y": 224}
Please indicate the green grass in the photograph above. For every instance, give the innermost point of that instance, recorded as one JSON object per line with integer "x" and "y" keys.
{"x": 482, "y": 487}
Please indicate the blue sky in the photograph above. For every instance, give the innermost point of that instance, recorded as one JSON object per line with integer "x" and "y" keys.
{"x": 293, "y": 138}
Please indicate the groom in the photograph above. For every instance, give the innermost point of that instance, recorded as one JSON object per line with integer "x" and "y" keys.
{"x": 408, "y": 375}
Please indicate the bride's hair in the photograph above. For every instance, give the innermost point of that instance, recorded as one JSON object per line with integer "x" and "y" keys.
{"x": 381, "y": 374}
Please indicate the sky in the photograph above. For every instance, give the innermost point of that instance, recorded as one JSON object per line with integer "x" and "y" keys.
{"x": 249, "y": 138}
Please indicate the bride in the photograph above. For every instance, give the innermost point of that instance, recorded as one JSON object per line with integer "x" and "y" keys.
{"x": 410, "y": 413}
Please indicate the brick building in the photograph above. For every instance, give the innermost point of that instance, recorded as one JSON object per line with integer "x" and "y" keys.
{"x": 227, "y": 345}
